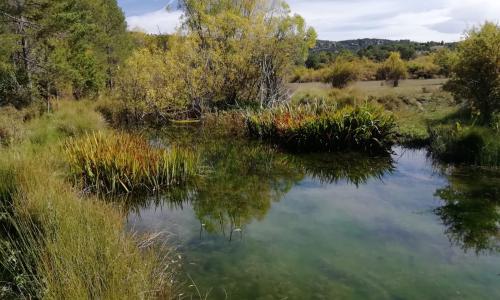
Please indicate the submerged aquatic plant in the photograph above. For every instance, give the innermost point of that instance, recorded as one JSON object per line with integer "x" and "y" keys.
{"x": 308, "y": 128}
{"x": 125, "y": 163}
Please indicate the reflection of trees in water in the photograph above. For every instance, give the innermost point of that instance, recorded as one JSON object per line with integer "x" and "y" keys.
{"x": 354, "y": 168}
{"x": 471, "y": 210}
{"x": 244, "y": 178}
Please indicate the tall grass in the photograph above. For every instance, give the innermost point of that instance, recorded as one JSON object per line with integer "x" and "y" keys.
{"x": 125, "y": 163}
{"x": 310, "y": 128}
{"x": 66, "y": 247}
{"x": 57, "y": 244}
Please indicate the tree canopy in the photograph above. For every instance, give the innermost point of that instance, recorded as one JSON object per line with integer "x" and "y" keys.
{"x": 59, "y": 47}
{"x": 476, "y": 72}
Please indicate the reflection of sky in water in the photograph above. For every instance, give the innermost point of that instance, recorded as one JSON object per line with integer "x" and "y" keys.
{"x": 380, "y": 239}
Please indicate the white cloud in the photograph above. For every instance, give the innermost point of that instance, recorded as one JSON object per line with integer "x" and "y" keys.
{"x": 350, "y": 19}
{"x": 161, "y": 21}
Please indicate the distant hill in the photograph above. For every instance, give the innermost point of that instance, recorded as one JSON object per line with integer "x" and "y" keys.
{"x": 362, "y": 44}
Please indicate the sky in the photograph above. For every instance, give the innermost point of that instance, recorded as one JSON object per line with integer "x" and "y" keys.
{"x": 418, "y": 20}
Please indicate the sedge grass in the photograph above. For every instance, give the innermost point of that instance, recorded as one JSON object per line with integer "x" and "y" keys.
{"x": 126, "y": 163}
{"x": 308, "y": 129}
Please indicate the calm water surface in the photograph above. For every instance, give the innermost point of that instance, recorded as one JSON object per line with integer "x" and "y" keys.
{"x": 264, "y": 225}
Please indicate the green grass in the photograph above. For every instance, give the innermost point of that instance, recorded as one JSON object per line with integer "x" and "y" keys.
{"x": 57, "y": 244}
{"x": 124, "y": 163}
{"x": 310, "y": 128}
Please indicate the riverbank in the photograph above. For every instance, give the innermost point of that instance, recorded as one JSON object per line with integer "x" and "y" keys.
{"x": 57, "y": 241}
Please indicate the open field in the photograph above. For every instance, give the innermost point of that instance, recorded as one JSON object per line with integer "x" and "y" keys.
{"x": 377, "y": 88}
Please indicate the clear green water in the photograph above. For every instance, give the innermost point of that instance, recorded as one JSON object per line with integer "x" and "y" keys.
{"x": 264, "y": 225}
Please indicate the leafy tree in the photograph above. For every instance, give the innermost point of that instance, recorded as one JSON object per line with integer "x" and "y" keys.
{"x": 476, "y": 73}
{"x": 247, "y": 47}
{"x": 394, "y": 68}
{"x": 445, "y": 59}
{"x": 59, "y": 47}
{"x": 227, "y": 53}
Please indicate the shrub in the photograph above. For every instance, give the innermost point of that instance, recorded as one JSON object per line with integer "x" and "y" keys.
{"x": 423, "y": 67}
{"x": 302, "y": 75}
{"x": 476, "y": 76}
{"x": 125, "y": 163}
{"x": 341, "y": 73}
{"x": 312, "y": 128}
{"x": 474, "y": 145}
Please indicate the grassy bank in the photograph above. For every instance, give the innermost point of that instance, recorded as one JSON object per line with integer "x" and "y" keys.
{"x": 56, "y": 243}
{"x": 313, "y": 128}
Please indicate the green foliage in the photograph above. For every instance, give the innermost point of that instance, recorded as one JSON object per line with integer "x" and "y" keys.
{"x": 228, "y": 54}
{"x": 318, "y": 60}
{"x": 342, "y": 72}
{"x": 476, "y": 73}
{"x": 59, "y": 48}
{"x": 472, "y": 145}
{"x": 124, "y": 163}
{"x": 309, "y": 128}
{"x": 445, "y": 59}
{"x": 394, "y": 68}
{"x": 406, "y": 49}
{"x": 423, "y": 67}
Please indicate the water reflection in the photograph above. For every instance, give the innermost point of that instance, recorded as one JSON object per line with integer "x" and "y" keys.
{"x": 243, "y": 178}
{"x": 471, "y": 210}
{"x": 328, "y": 226}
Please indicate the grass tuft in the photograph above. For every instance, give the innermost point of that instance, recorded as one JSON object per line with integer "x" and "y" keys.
{"x": 125, "y": 163}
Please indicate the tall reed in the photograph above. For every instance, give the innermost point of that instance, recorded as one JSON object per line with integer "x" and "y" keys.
{"x": 126, "y": 163}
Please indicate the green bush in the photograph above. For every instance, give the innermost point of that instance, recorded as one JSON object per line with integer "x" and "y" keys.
{"x": 473, "y": 145}
{"x": 311, "y": 128}
{"x": 342, "y": 72}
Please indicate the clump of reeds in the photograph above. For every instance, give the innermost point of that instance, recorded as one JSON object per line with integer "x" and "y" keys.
{"x": 311, "y": 128}
{"x": 125, "y": 163}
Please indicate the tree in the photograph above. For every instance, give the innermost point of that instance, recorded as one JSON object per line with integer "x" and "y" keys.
{"x": 394, "y": 68}
{"x": 59, "y": 46}
{"x": 445, "y": 59}
{"x": 476, "y": 73}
